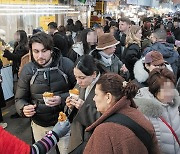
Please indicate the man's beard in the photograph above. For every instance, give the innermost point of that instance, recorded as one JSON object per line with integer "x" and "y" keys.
{"x": 44, "y": 64}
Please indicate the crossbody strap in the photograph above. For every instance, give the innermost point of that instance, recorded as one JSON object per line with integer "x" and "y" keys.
{"x": 139, "y": 131}
{"x": 171, "y": 129}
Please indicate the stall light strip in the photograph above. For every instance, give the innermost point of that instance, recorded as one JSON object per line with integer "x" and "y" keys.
{"x": 40, "y": 13}
{"x": 32, "y": 6}
{"x": 32, "y": 9}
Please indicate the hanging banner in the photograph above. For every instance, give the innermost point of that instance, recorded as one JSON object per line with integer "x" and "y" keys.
{"x": 45, "y": 20}
{"x": 32, "y": 2}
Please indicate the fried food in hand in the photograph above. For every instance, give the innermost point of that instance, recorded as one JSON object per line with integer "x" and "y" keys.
{"x": 62, "y": 117}
{"x": 48, "y": 94}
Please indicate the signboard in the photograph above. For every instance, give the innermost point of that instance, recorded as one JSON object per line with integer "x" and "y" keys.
{"x": 45, "y": 20}
{"x": 33, "y": 2}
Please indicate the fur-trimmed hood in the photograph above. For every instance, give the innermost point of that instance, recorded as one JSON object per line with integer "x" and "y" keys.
{"x": 150, "y": 106}
{"x": 140, "y": 74}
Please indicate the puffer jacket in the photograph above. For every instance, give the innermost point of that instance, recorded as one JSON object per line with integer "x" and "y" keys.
{"x": 140, "y": 73}
{"x": 153, "y": 110}
{"x": 47, "y": 81}
{"x": 168, "y": 52}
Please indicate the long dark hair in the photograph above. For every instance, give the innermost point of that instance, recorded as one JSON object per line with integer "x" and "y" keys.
{"x": 23, "y": 42}
{"x": 84, "y": 41}
{"x": 88, "y": 65}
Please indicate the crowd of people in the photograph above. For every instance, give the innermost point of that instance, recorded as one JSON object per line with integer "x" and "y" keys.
{"x": 128, "y": 78}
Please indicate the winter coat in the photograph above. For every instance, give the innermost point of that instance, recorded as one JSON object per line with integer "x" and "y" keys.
{"x": 24, "y": 60}
{"x": 76, "y": 51}
{"x": 114, "y": 67}
{"x": 61, "y": 42}
{"x": 176, "y": 32}
{"x": 178, "y": 85}
{"x": 2, "y": 100}
{"x": 120, "y": 47}
{"x": 85, "y": 116}
{"x": 45, "y": 81}
{"x": 153, "y": 110}
{"x": 146, "y": 42}
{"x": 11, "y": 144}
{"x": 168, "y": 52}
{"x": 131, "y": 54}
{"x": 16, "y": 56}
{"x": 140, "y": 73}
{"x": 113, "y": 138}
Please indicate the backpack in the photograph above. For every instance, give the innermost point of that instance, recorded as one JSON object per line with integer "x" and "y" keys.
{"x": 58, "y": 67}
{"x": 139, "y": 131}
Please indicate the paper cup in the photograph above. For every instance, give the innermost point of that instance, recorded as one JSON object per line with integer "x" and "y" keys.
{"x": 74, "y": 96}
{"x": 46, "y": 99}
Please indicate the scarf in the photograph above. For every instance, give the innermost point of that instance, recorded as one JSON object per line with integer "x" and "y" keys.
{"x": 106, "y": 58}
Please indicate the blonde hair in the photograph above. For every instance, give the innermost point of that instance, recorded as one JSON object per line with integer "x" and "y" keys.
{"x": 131, "y": 35}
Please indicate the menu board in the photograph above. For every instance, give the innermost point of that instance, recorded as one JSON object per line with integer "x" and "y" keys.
{"x": 45, "y": 20}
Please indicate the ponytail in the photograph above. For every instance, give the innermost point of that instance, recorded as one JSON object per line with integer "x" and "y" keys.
{"x": 118, "y": 87}
{"x": 129, "y": 89}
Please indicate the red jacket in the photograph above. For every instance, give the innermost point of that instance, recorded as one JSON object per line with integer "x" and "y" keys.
{"x": 10, "y": 144}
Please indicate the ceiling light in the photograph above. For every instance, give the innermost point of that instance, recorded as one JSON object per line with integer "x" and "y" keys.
{"x": 34, "y": 6}
{"x": 39, "y": 13}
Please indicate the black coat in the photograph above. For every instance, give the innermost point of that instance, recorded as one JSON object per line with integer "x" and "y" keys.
{"x": 2, "y": 100}
{"x": 131, "y": 54}
{"x": 32, "y": 94}
{"x": 176, "y": 32}
{"x": 16, "y": 56}
{"x": 122, "y": 39}
{"x": 61, "y": 42}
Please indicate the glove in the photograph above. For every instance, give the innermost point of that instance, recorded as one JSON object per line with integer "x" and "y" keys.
{"x": 62, "y": 128}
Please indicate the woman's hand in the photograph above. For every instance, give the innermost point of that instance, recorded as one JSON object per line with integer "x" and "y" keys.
{"x": 68, "y": 103}
{"x": 77, "y": 102}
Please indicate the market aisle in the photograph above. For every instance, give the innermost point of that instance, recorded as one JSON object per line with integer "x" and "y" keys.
{"x": 19, "y": 127}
